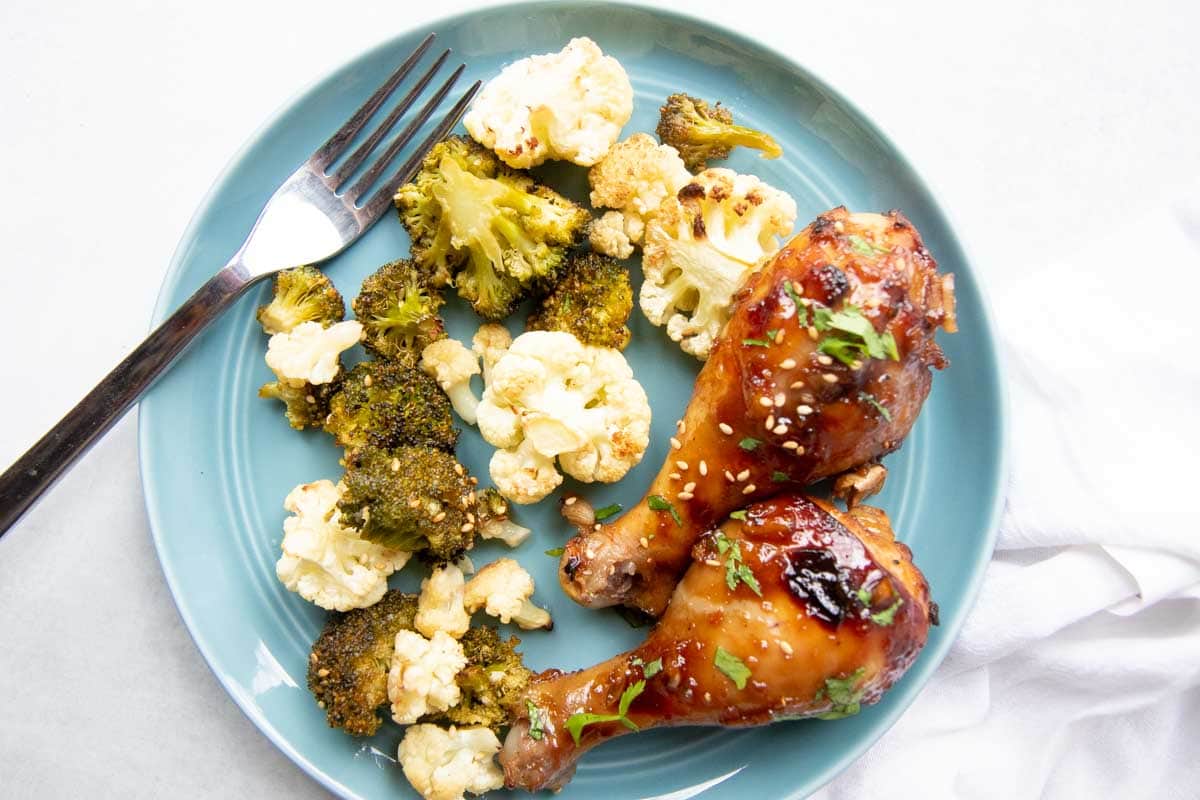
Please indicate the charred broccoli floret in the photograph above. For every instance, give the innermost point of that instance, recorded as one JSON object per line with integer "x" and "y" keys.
{"x": 306, "y": 406}
{"x": 303, "y": 294}
{"x": 412, "y": 498}
{"x": 386, "y": 404}
{"x": 703, "y": 133}
{"x": 398, "y": 309}
{"x": 501, "y": 234}
{"x": 348, "y": 666}
{"x": 491, "y": 683}
{"x": 592, "y": 301}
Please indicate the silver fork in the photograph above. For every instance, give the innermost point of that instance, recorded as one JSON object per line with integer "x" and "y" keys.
{"x": 312, "y": 217}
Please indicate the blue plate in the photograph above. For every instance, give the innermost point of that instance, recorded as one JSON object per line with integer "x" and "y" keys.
{"x": 217, "y": 461}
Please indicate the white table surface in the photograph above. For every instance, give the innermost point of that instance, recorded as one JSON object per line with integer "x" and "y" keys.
{"x": 1040, "y": 127}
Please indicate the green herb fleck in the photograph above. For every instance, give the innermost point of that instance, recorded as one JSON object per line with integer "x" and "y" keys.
{"x": 749, "y": 443}
{"x": 739, "y": 514}
{"x": 865, "y": 248}
{"x": 577, "y": 722}
{"x": 779, "y": 477}
{"x": 889, "y": 345}
{"x": 870, "y": 398}
{"x": 736, "y": 570}
{"x": 853, "y": 337}
{"x": 843, "y": 698}
{"x": 864, "y": 595}
{"x": 658, "y": 503}
{"x": 888, "y": 615}
{"x": 653, "y": 668}
{"x": 535, "y": 721}
{"x": 756, "y": 342}
{"x": 606, "y": 512}
{"x": 732, "y": 667}
{"x": 556, "y": 551}
{"x": 801, "y": 309}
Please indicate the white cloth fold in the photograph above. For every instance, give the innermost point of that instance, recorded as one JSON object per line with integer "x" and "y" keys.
{"x": 1077, "y": 673}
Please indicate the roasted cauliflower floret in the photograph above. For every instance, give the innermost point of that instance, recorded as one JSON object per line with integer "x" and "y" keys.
{"x": 568, "y": 106}
{"x": 441, "y": 603}
{"x": 421, "y": 678}
{"x": 310, "y": 353}
{"x": 701, "y": 247}
{"x": 325, "y": 562}
{"x": 445, "y": 764}
{"x": 502, "y": 589}
{"x": 607, "y": 235}
{"x": 635, "y": 178}
{"x": 494, "y": 521}
{"x": 451, "y": 364}
{"x": 490, "y": 342}
{"x": 303, "y": 294}
{"x": 592, "y": 302}
{"x": 553, "y": 397}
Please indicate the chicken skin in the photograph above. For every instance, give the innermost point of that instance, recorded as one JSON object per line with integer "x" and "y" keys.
{"x": 794, "y": 609}
{"x": 822, "y": 369}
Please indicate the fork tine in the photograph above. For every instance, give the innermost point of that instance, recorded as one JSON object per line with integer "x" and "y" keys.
{"x": 327, "y": 153}
{"x": 355, "y": 160}
{"x": 383, "y": 197}
{"x": 363, "y": 183}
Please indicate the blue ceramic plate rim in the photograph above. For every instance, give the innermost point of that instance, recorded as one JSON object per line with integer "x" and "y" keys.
{"x": 933, "y": 655}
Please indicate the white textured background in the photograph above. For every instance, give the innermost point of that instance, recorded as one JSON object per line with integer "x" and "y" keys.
{"x": 1041, "y": 128}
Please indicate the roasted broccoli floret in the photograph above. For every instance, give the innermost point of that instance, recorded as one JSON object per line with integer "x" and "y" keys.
{"x": 703, "y": 133}
{"x": 411, "y": 498}
{"x": 491, "y": 683}
{"x": 592, "y": 301}
{"x": 303, "y": 294}
{"x": 501, "y": 234}
{"x": 387, "y": 404}
{"x": 306, "y": 406}
{"x": 348, "y": 666}
{"x": 398, "y": 309}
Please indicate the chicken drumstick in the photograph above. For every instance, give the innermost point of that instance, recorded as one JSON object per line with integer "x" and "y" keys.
{"x": 797, "y": 610}
{"x": 822, "y": 368}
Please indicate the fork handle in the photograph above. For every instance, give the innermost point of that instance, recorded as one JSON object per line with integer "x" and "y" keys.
{"x": 33, "y": 473}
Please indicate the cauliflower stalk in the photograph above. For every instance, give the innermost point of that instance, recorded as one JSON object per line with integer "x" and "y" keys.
{"x": 700, "y": 248}
{"x": 440, "y": 606}
{"x": 502, "y": 589}
{"x": 635, "y": 178}
{"x": 326, "y": 563}
{"x": 421, "y": 678}
{"x": 451, "y": 364}
{"x": 569, "y": 106}
{"x": 552, "y": 397}
{"x": 310, "y": 353}
{"x": 445, "y": 764}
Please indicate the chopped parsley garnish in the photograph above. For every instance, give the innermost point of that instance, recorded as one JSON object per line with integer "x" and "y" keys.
{"x": 843, "y": 697}
{"x": 653, "y": 668}
{"x": 556, "y": 551}
{"x": 535, "y": 721}
{"x": 732, "y": 667}
{"x": 739, "y": 514}
{"x": 864, "y": 595}
{"x": 749, "y": 443}
{"x": 578, "y": 721}
{"x": 870, "y": 398}
{"x": 852, "y": 337}
{"x": 736, "y": 570}
{"x": 888, "y": 615}
{"x": 756, "y": 342}
{"x": 658, "y": 503}
{"x": 779, "y": 477}
{"x": 863, "y": 247}
{"x": 607, "y": 511}
{"x": 801, "y": 309}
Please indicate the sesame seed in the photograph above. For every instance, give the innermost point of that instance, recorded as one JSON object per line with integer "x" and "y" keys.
{"x": 829, "y": 377}
{"x": 856, "y": 364}
{"x": 690, "y": 486}
{"x": 770, "y": 423}
{"x": 725, "y": 429}
{"x": 395, "y": 465}
{"x": 470, "y": 517}
{"x": 780, "y": 399}
{"x": 785, "y": 647}
{"x": 765, "y": 402}
{"x": 367, "y": 381}
{"x": 471, "y": 497}
{"x": 712, "y": 562}
{"x": 839, "y": 226}
{"x": 741, "y": 476}
{"x": 807, "y": 397}
{"x": 708, "y": 697}
{"x": 467, "y": 528}
{"x": 790, "y": 445}
{"x": 799, "y": 451}
{"x": 308, "y": 398}
{"x": 458, "y": 469}
{"x": 685, "y": 495}
{"x": 596, "y": 527}
{"x": 797, "y": 385}
{"x": 787, "y": 363}
{"x": 750, "y": 487}
{"x": 473, "y": 480}
{"x": 804, "y": 411}
{"x": 570, "y": 501}
{"x": 590, "y": 553}
{"x": 703, "y": 468}
{"x": 824, "y": 361}
{"x": 812, "y": 333}
{"x": 729, "y": 476}
{"x": 675, "y": 445}
{"x": 680, "y": 426}
{"x": 674, "y": 476}
{"x": 322, "y": 672}
{"x": 780, "y": 429}
{"x": 438, "y": 517}
{"x": 683, "y": 466}
{"x": 779, "y": 336}
{"x": 644, "y": 542}
{"x": 413, "y": 503}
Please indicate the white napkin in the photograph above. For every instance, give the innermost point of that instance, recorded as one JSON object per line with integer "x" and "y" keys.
{"x": 1078, "y": 672}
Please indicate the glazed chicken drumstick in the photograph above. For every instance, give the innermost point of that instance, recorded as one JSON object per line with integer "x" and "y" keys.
{"x": 793, "y": 609}
{"x": 822, "y": 368}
